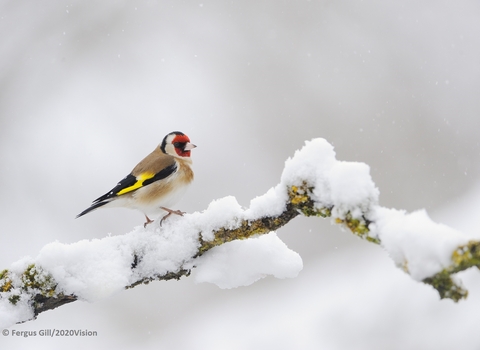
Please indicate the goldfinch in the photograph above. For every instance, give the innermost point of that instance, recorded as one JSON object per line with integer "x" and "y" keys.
{"x": 156, "y": 183}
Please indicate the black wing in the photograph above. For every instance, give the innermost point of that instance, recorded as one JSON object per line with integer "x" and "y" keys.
{"x": 128, "y": 184}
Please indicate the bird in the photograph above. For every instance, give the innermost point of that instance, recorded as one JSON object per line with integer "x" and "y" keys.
{"x": 156, "y": 183}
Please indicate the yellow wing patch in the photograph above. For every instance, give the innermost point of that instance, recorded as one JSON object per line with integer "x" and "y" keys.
{"x": 139, "y": 183}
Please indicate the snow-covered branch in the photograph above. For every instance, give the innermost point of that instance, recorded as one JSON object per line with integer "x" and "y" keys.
{"x": 232, "y": 246}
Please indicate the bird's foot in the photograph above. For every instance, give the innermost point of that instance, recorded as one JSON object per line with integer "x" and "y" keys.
{"x": 149, "y": 221}
{"x": 170, "y": 212}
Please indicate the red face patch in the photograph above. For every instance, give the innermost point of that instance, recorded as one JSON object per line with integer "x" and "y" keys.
{"x": 179, "y": 143}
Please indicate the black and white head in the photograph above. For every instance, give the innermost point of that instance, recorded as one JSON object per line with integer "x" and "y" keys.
{"x": 177, "y": 144}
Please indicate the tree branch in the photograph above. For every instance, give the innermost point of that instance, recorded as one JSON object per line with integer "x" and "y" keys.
{"x": 36, "y": 288}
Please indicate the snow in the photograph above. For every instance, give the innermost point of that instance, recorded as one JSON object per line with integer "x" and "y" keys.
{"x": 271, "y": 203}
{"x": 11, "y": 314}
{"x": 415, "y": 242}
{"x": 241, "y": 263}
{"x": 310, "y": 164}
{"x": 352, "y": 189}
{"x": 96, "y": 269}
{"x": 345, "y": 186}
{"x": 224, "y": 212}
{"x": 92, "y": 270}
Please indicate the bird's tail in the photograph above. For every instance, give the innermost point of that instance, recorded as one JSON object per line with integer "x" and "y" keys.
{"x": 94, "y": 206}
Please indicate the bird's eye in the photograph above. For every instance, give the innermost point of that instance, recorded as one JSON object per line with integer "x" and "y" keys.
{"x": 179, "y": 144}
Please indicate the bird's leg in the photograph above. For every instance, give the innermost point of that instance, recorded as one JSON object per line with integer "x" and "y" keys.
{"x": 147, "y": 222}
{"x": 170, "y": 212}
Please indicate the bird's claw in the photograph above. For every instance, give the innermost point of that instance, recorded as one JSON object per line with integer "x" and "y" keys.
{"x": 149, "y": 221}
{"x": 170, "y": 212}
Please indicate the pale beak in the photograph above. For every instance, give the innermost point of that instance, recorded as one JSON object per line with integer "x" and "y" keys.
{"x": 189, "y": 146}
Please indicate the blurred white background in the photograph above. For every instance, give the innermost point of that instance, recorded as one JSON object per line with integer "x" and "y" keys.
{"x": 88, "y": 88}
